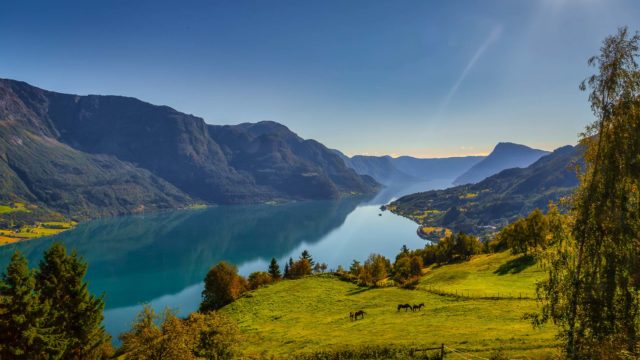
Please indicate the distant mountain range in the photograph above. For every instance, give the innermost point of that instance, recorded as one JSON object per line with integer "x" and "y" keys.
{"x": 504, "y": 156}
{"x": 88, "y": 156}
{"x": 458, "y": 170}
{"x": 497, "y": 200}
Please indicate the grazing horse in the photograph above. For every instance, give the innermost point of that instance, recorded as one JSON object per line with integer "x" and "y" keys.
{"x": 417, "y": 307}
{"x": 351, "y": 317}
{"x": 359, "y": 313}
{"x": 404, "y": 306}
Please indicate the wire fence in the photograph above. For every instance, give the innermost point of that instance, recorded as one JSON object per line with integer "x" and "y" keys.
{"x": 482, "y": 295}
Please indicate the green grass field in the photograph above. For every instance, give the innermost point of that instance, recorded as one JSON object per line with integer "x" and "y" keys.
{"x": 312, "y": 314}
{"x": 18, "y": 206}
{"x": 49, "y": 228}
{"x": 490, "y": 275}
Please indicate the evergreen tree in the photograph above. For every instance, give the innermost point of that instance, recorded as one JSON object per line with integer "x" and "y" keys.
{"x": 76, "y": 314}
{"x": 274, "y": 269}
{"x": 23, "y": 330}
{"x": 286, "y": 271}
{"x": 307, "y": 256}
{"x": 594, "y": 277}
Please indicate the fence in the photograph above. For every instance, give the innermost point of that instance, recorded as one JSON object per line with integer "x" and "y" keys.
{"x": 483, "y": 295}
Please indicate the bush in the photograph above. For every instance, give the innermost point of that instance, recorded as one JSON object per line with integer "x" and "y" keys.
{"x": 258, "y": 279}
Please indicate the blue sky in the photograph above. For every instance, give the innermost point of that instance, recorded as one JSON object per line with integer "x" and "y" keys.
{"x": 423, "y": 78}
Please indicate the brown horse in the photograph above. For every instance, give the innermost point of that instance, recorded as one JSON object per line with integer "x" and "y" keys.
{"x": 417, "y": 307}
{"x": 351, "y": 317}
{"x": 404, "y": 306}
{"x": 359, "y": 313}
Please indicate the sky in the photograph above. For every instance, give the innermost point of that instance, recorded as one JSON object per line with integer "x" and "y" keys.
{"x": 421, "y": 78}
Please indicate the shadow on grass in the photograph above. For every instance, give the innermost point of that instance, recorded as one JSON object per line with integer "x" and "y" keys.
{"x": 516, "y": 265}
{"x": 359, "y": 290}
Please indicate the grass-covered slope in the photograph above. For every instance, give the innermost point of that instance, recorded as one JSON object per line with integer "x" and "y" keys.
{"x": 484, "y": 276}
{"x": 499, "y": 199}
{"x": 312, "y": 314}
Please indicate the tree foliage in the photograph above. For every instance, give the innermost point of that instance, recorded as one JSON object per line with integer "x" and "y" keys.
{"x": 274, "y": 269}
{"x": 50, "y": 314}
{"x": 300, "y": 268}
{"x": 199, "y": 336}
{"x": 222, "y": 286}
{"x": 528, "y": 235}
{"x": 259, "y": 279}
{"x": 455, "y": 247}
{"x": 594, "y": 274}
{"x": 75, "y": 313}
{"x": 23, "y": 316}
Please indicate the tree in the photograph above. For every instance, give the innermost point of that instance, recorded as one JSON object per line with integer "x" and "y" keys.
{"x": 355, "y": 268}
{"x": 379, "y": 266}
{"x": 594, "y": 274}
{"x": 286, "y": 271}
{"x": 258, "y": 279}
{"x": 199, "y": 336}
{"x": 75, "y": 313}
{"x": 137, "y": 342}
{"x": 300, "y": 268}
{"x": 416, "y": 266}
{"x": 307, "y": 256}
{"x": 402, "y": 269}
{"x": 23, "y": 330}
{"x": 217, "y": 335}
{"x": 274, "y": 269}
{"x": 222, "y": 286}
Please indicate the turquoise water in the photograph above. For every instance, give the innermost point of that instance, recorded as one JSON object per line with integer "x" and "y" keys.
{"x": 162, "y": 258}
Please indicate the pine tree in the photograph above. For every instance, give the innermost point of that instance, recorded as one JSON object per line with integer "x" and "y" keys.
{"x": 75, "y": 312}
{"x": 274, "y": 269}
{"x": 286, "y": 271}
{"x": 307, "y": 256}
{"x": 23, "y": 330}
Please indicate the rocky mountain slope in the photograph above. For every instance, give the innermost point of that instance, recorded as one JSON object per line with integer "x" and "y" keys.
{"x": 90, "y": 156}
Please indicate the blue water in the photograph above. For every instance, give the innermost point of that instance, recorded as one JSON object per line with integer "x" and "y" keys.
{"x": 162, "y": 258}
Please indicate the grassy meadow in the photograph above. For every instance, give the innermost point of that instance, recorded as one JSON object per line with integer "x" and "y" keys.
{"x": 311, "y": 314}
{"x": 485, "y": 276}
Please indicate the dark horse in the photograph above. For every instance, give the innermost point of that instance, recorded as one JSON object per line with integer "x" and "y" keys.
{"x": 359, "y": 313}
{"x": 417, "y": 307}
{"x": 404, "y": 306}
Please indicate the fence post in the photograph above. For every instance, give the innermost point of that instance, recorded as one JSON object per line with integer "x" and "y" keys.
{"x": 442, "y": 351}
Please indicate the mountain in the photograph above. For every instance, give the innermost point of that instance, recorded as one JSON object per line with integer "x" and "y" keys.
{"x": 504, "y": 156}
{"x": 437, "y": 168}
{"x": 497, "y": 200}
{"x": 406, "y": 169}
{"x": 89, "y": 156}
{"x": 381, "y": 168}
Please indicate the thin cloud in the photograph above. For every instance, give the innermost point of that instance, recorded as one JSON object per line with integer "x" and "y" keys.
{"x": 493, "y": 36}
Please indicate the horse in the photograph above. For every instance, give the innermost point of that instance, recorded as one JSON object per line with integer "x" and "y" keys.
{"x": 404, "y": 306}
{"x": 417, "y": 307}
{"x": 359, "y": 313}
